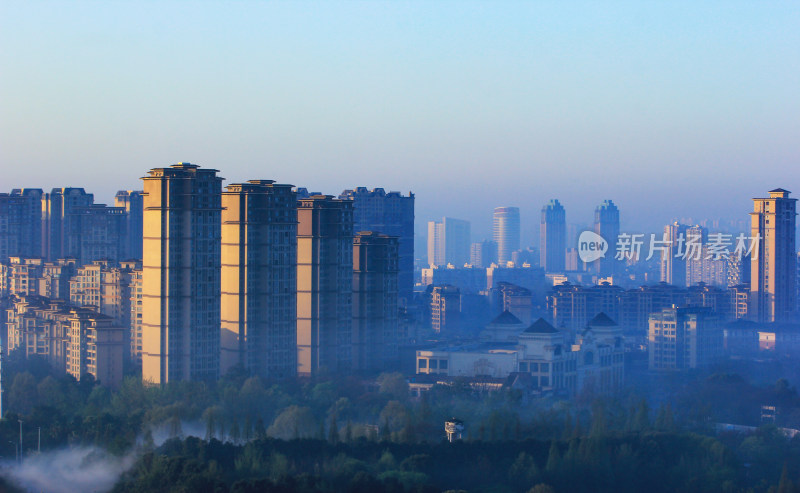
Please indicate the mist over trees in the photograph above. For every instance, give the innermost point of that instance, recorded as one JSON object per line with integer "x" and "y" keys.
{"x": 358, "y": 434}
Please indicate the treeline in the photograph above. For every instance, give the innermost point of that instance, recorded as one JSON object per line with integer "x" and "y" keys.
{"x": 628, "y": 462}
{"x": 357, "y": 412}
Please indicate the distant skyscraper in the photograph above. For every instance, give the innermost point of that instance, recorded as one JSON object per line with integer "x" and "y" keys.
{"x": 324, "y": 284}
{"x": 132, "y": 202}
{"x": 259, "y": 279}
{"x": 483, "y": 254}
{"x": 696, "y": 239}
{"x": 606, "y": 224}
{"x": 391, "y": 214}
{"x": 61, "y": 210}
{"x": 773, "y": 274}
{"x": 505, "y": 231}
{"x": 673, "y": 265}
{"x": 449, "y": 242}
{"x": 553, "y": 237}
{"x": 375, "y": 307}
{"x": 181, "y": 274}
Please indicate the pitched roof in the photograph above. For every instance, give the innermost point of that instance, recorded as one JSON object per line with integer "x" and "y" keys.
{"x": 541, "y": 327}
{"x": 506, "y": 318}
{"x": 602, "y": 320}
{"x": 778, "y": 190}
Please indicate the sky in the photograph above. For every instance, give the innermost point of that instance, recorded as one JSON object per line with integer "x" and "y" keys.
{"x": 671, "y": 109}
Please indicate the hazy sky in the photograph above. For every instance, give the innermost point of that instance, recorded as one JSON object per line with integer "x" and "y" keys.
{"x": 671, "y": 109}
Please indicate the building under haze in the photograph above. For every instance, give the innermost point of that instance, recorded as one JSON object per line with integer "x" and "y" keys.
{"x": 483, "y": 254}
{"x": 181, "y": 274}
{"x": 449, "y": 242}
{"x": 392, "y": 214}
{"x": 773, "y": 268}
{"x": 505, "y": 232}
{"x": 553, "y": 237}
{"x": 324, "y": 284}
{"x": 21, "y": 223}
{"x": 132, "y": 202}
{"x": 606, "y": 224}
{"x": 375, "y": 302}
{"x": 684, "y": 338}
{"x": 61, "y": 209}
{"x": 446, "y": 310}
{"x": 673, "y": 264}
{"x": 259, "y": 279}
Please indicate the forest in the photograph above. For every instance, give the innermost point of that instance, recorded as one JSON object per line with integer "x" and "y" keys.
{"x": 334, "y": 433}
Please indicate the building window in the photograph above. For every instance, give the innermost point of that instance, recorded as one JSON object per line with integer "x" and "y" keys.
{"x": 442, "y": 364}
{"x": 423, "y": 363}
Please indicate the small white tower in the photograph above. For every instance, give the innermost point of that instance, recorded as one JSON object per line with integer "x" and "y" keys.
{"x": 454, "y": 429}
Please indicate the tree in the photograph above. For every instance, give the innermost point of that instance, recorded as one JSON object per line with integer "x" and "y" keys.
{"x": 23, "y": 393}
{"x": 293, "y": 422}
{"x": 553, "y": 458}
{"x": 333, "y": 431}
{"x": 394, "y": 385}
{"x": 542, "y": 488}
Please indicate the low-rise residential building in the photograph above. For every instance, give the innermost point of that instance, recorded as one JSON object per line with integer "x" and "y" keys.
{"x": 78, "y": 341}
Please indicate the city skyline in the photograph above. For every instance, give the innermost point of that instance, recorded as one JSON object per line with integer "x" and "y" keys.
{"x": 346, "y": 94}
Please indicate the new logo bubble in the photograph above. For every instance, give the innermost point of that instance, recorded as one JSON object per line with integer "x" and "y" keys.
{"x": 591, "y": 246}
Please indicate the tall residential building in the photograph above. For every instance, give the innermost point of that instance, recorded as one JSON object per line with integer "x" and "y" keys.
{"x": 553, "y": 237}
{"x": 606, "y": 224}
{"x": 259, "y": 279}
{"x": 683, "y": 338}
{"x": 773, "y": 274}
{"x": 448, "y": 242}
{"x": 392, "y": 214}
{"x": 673, "y": 265}
{"x": 505, "y": 232}
{"x": 375, "y": 302}
{"x": 181, "y": 274}
{"x": 324, "y": 284}
{"x": 483, "y": 254}
{"x": 132, "y": 202}
{"x": 61, "y": 210}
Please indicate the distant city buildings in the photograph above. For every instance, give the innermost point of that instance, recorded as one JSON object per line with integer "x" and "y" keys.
{"x": 606, "y": 224}
{"x": 773, "y": 271}
{"x": 448, "y": 242}
{"x": 446, "y": 310}
{"x": 483, "y": 254}
{"x": 506, "y": 232}
{"x": 673, "y": 262}
{"x": 553, "y": 237}
{"x": 684, "y": 338}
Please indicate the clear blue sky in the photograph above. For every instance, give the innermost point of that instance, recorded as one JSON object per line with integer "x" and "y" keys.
{"x": 671, "y": 109}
